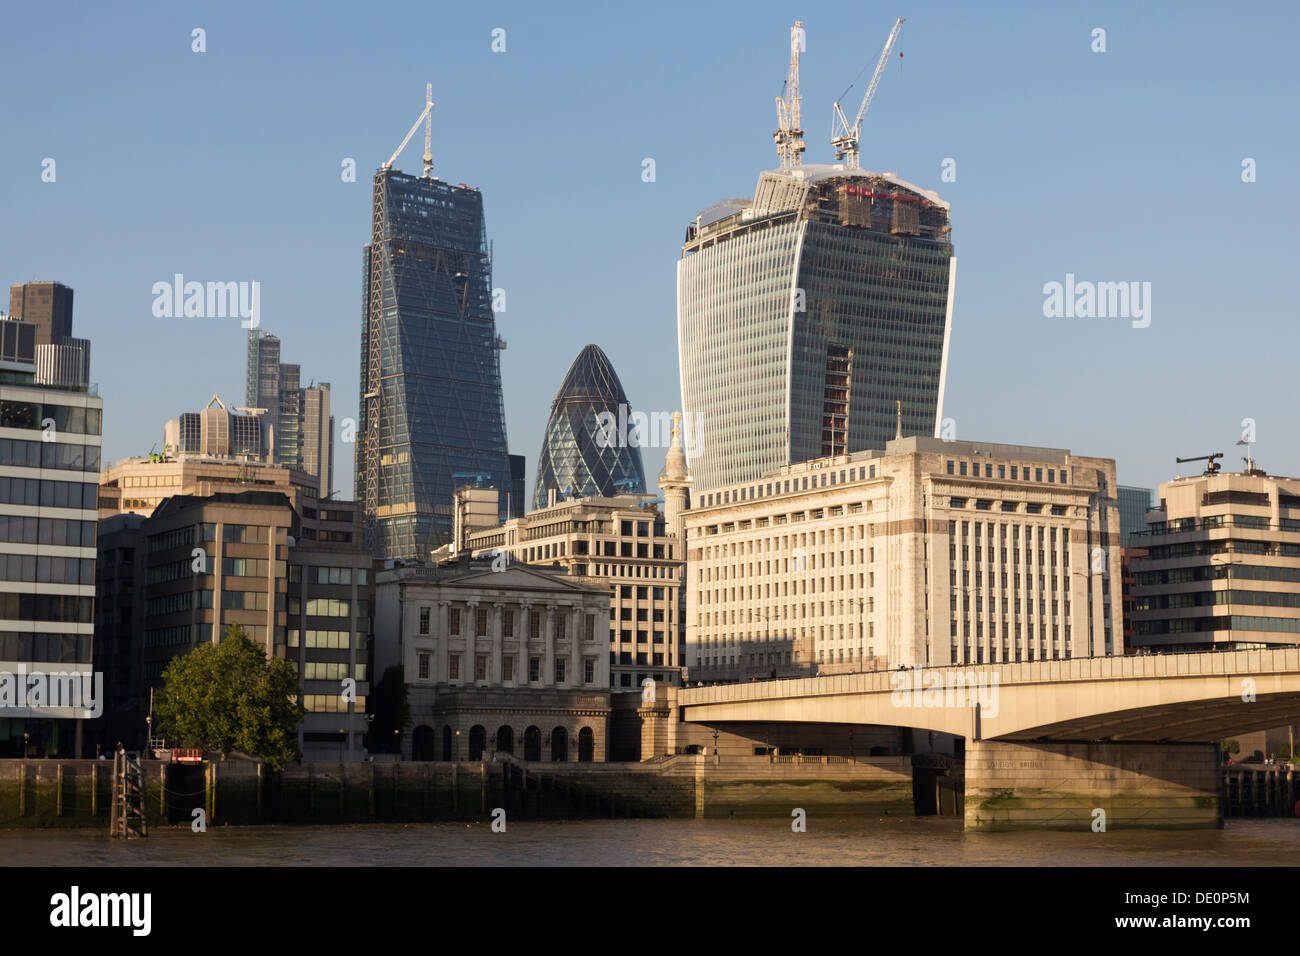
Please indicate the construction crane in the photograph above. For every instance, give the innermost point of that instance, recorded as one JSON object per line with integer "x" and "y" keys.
{"x": 789, "y": 135}
{"x": 1211, "y": 467}
{"x": 425, "y": 117}
{"x": 844, "y": 138}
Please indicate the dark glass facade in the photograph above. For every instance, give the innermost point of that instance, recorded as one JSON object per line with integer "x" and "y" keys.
{"x": 431, "y": 402}
{"x": 585, "y": 451}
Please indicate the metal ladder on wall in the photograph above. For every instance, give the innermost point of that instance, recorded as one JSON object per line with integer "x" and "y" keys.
{"x": 127, "y": 814}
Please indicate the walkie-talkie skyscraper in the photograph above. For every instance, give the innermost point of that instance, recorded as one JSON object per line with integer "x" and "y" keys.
{"x": 432, "y": 414}
{"x": 806, "y": 314}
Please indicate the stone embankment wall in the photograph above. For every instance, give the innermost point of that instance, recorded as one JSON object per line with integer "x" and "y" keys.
{"x": 42, "y": 793}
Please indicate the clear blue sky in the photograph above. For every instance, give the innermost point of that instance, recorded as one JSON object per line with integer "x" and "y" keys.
{"x": 1123, "y": 165}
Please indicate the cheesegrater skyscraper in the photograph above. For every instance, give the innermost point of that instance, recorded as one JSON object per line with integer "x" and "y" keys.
{"x": 432, "y": 414}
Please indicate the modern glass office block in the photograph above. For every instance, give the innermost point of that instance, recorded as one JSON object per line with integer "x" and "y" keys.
{"x": 432, "y": 415}
{"x": 589, "y": 448}
{"x": 807, "y": 315}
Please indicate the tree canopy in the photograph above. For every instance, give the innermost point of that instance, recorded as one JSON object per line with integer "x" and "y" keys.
{"x": 227, "y": 697}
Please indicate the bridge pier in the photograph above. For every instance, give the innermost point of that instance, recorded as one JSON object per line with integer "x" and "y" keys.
{"x": 1052, "y": 785}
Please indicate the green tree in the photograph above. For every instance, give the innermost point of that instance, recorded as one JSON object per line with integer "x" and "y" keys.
{"x": 228, "y": 696}
{"x": 392, "y": 713}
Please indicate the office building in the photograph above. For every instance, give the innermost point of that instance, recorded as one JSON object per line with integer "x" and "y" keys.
{"x": 432, "y": 413}
{"x": 302, "y": 427}
{"x": 220, "y": 432}
{"x": 141, "y": 484}
{"x": 49, "y": 466}
{"x": 1133, "y": 505}
{"x": 806, "y": 313}
{"x": 622, "y": 546}
{"x": 929, "y": 553}
{"x": 589, "y": 449}
{"x": 510, "y": 661}
{"x": 1222, "y": 569}
{"x": 296, "y": 581}
{"x": 46, "y": 307}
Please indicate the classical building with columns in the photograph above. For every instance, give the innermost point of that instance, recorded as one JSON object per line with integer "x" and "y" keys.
{"x": 497, "y": 657}
{"x": 621, "y": 545}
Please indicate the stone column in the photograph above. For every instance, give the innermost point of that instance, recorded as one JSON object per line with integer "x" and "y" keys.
{"x": 525, "y": 638}
{"x": 470, "y": 629}
{"x": 548, "y": 655}
{"x": 441, "y": 639}
{"x": 494, "y": 675}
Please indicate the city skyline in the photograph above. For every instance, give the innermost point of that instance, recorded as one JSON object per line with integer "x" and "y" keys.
{"x": 1031, "y": 207}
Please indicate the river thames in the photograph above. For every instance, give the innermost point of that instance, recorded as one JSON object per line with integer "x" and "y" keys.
{"x": 901, "y": 841}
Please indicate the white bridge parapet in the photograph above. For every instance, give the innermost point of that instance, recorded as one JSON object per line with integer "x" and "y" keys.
{"x": 1171, "y": 697}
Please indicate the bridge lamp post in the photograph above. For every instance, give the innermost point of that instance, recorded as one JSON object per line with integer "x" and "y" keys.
{"x": 1228, "y": 561}
{"x": 1089, "y": 574}
{"x": 975, "y": 590}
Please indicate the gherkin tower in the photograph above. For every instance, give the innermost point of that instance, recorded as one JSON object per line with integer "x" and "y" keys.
{"x": 584, "y": 452}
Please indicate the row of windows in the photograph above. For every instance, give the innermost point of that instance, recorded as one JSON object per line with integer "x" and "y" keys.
{"x": 329, "y": 670}
{"x": 45, "y": 570}
{"x": 45, "y": 648}
{"x": 753, "y": 492}
{"x": 41, "y": 454}
{"x": 248, "y": 600}
{"x": 322, "y": 638}
{"x": 1205, "y": 598}
{"x": 333, "y": 704}
{"x": 482, "y": 668}
{"x": 60, "y": 532}
{"x": 1018, "y": 472}
{"x": 47, "y": 494}
{"x": 65, "y": 419}
{"x": 245, "y": 567}
{"x": 64, "y": 608}
{"x": 329, "y": 575}
{"x": 1232, "y": 622}
{"x": 1218, "y": 571}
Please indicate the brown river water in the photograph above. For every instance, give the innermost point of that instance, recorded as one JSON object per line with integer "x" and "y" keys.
{"x": 891, "y": 841}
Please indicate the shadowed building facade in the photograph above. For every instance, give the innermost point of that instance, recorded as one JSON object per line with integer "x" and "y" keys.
{"x": 586, "y": 454}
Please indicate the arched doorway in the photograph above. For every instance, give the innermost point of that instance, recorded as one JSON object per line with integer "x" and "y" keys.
{"x": 423, "y": 743}
{"x": 532, "y": 744}
{"x": 446, "y": 743}
{"x": 506, "y": 740}
{"x": 477, "y": 742}
{"x": 586, "y": 745}
{"x": 559, "y": 745}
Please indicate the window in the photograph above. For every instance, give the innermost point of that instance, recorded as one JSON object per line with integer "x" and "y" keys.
{"x": 534, "y": 669}
{"x": 481, "y": 627}
{"x": 507, "y": 624}
{"x": 453, "y": 667}
{"x": 559, "y": 670}
{"x": 453, "y": 620}
{"x": 480, "y": 667}
{"x": 508, "y": 668}
{"x": 423, "y": 664}
{"x": 534, "y": 628}
{"x": 424, "y": 620}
